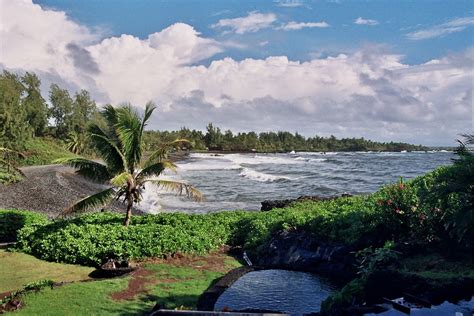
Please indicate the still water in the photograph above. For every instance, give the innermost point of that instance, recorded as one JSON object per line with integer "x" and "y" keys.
{"x": 276, "y": 290}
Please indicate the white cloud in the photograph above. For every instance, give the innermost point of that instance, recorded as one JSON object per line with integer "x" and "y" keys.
{"x": 452, "y": 26}
{"x": 291, "y": 26}
{"x": 362, "y": 21}
{"x": 370, "y": 92}
{"x": 253, "y": 22}
{"x": 290, "y": 3}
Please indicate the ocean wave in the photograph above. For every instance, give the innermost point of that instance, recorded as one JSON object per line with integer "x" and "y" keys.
{"x": 260, "y": 159}
{"x": 262, "y": 177}
{"x": 209, "y": 165}
{"x": 310, "y": 159}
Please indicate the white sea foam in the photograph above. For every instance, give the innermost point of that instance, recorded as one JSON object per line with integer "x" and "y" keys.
{"x": 260, "y": 176}
{"x": 208, "y": 165}
{"x": 260, "y": 159}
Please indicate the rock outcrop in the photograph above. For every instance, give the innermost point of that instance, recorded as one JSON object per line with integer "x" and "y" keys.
{"x": 299, "y": 250}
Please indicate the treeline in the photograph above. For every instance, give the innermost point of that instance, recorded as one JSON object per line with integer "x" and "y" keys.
{"x": 24, "y": 113}
{"x": 216, "y": 140}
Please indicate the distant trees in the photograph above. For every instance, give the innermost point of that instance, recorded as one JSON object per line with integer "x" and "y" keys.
{"x": 215, "y": 139}
{"x": 24, "y": 113}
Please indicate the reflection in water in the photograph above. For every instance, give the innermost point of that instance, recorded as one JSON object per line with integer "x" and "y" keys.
{"x": 276, "y": 290}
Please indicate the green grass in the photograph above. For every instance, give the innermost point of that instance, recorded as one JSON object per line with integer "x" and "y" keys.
{"x": 17, "y": 269}
{"x": 174, "y": 284}
{"x": 42, "y": 151}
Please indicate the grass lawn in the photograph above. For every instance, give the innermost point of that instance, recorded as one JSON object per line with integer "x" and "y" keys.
{"x": 16, "y": 269}
{"x": 175, "y": 283}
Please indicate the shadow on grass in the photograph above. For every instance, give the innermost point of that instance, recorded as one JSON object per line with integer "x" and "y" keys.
{"x": 150, "y": 302}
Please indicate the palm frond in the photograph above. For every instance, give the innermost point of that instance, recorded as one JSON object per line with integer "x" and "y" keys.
{"x": 92, "y": 201}
{"x": 180, "y": 188}
{"x": 149, "y": 108}
{"x": 87, "y": 168}
{"x": 121, "y": 179}
{"x": 107, "y": 149}
{"x": 128, "y": 129}
{"x": 155, "y": 169}
{"x": 162, "y": 152}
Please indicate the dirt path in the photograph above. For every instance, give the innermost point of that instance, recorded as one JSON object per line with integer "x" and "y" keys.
{"x": 48, "y": 189}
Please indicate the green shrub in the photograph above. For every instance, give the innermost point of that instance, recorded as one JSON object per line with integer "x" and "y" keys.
{"x": 92, "y": 238}
{"x": 407, "y": 212}
{"x": 9, "y": 177}
{"x": 11, "y": 221}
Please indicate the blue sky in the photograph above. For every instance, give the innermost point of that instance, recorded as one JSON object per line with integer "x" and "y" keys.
{"x": 383, "y": 70}
{"x": 395, "y": 20}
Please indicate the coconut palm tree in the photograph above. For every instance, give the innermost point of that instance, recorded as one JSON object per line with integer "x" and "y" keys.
{"x": 119, "y": 144}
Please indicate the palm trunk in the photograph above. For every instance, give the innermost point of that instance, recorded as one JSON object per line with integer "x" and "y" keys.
{"x": 129, "y": 212}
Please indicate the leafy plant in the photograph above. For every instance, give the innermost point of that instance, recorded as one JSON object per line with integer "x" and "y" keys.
{"x": 11, "y": 221}
{"x": 370, "y": 259}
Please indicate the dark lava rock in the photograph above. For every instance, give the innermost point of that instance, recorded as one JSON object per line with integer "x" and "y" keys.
{"x": 268, "y": 205}
{"x": 299, "y": 250}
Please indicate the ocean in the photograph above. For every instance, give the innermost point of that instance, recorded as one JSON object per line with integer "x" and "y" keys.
{"x": 243, "y": 181}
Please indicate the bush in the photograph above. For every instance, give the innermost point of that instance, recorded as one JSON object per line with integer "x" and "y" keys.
{"x": 412, "y": 213}
{"x": 92, "y": 238}
{"x": 11, "y": 221}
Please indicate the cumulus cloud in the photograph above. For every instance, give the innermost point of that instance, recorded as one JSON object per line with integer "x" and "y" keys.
{"x": 370, "y": 92}
{"x": 253, "y": 22}
{"x": 291, "y": 26}
{"x": 452, "y": 26}
{"x": 362, "y": 21}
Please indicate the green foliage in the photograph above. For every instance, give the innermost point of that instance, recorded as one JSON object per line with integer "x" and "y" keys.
{"x": 14, "y": 127}
{"x": 120, "y": 145}
{"x": 411, "y": 213}
{"x": 215, "y": 139}
{"x": 370, "y": 259}
{"x": 11, "y": 221}
{"x": 61, "y": 110}
{"x": 92, "y": 238}
{"x": 43, "y": 151}
{"x": 7, "y": 177}
{"x": 351, "y": 293}
{"x": 36, "y": 108}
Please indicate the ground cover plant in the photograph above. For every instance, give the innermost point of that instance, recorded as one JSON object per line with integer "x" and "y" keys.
{"x": 404, "y": 212}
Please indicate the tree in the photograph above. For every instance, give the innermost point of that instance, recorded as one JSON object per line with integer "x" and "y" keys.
{"x": 35, "y": 105}
{"x": 83, "y": 111}
{"x": 213, "y": 137}
{"x": 14, "y": 129}
{"x": 61, "y": 110}
{"x": 120, "y": 146}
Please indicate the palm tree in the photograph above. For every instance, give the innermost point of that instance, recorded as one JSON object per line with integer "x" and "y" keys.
{"x": 119, "y": 144}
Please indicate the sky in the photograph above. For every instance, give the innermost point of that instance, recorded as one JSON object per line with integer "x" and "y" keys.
{"x": 383, "y": 70}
